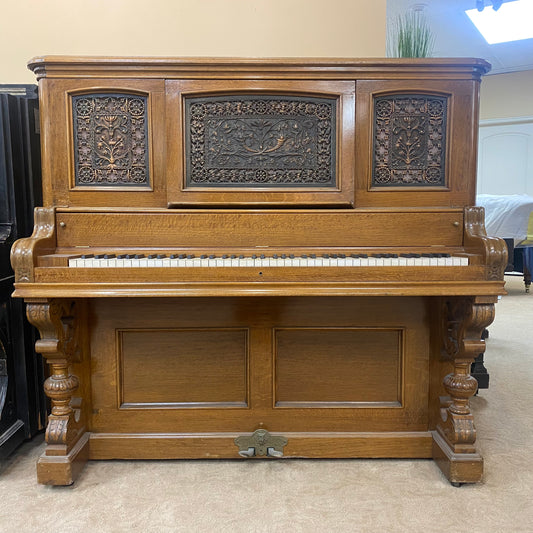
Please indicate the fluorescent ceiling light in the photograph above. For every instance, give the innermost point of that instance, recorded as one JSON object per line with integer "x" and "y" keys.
{"x": 512, "y": 22}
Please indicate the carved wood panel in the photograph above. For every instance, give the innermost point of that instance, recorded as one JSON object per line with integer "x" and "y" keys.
{"x": 110, "y": 140}
{"x": 260, "y": 140}
{"x": 409, "y": 137}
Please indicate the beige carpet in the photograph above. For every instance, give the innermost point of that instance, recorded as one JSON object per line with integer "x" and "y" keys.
{"x": 383, "y": 496}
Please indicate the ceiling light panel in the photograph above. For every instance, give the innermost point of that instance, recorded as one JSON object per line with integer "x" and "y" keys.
{"x": 512, "y": 22}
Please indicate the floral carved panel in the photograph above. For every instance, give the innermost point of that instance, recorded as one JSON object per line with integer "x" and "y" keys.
{"x": 110, "y": 140}
{"x": 260, "y": 140}
{"x": 409, "y": 139}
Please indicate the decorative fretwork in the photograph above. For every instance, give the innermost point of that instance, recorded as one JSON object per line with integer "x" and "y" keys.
{"x": 409, "y": 140}
{"x": 260, "y": 140}
{"x": 110, "y": 140}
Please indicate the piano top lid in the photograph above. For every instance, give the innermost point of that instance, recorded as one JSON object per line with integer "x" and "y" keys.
{"x": 253, "y": 68}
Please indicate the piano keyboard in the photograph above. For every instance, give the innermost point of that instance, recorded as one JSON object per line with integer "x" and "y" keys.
{"x": 275, "y": 260}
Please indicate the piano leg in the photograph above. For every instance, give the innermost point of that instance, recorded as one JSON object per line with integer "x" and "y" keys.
{"x": 67, "y": 442}
{"x": 455, "y": 435}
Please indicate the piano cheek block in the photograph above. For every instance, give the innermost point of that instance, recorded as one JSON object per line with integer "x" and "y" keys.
{"x": 287, "y": 278}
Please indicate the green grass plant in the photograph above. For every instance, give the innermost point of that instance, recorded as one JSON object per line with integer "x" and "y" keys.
{"x": 411, "y": 36}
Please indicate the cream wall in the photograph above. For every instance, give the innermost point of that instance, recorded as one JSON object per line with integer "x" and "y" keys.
{"x": 247, "y": 28}
{"x": 507, "y": 95}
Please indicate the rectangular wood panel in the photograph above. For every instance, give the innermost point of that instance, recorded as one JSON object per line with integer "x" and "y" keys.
{"x": 331, "y": 366}
{"x": 232, "y": 229}
{"x": 183, "y": 367}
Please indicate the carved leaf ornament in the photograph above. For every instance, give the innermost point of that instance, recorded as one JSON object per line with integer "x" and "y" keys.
{"x": 265, "y": 140}
{"x": 110, "y": 140}
{"x": 409, "y": 140}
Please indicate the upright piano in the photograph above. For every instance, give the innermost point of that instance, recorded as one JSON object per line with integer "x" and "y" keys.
{"x": 246, "y": 258}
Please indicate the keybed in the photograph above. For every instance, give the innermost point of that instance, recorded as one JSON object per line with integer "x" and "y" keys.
{"x": 263, "y": 260}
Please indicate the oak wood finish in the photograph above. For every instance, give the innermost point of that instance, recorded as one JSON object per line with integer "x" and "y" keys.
{"x": 179, "y": 363}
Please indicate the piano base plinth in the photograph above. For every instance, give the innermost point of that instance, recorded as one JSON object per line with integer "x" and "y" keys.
{"x": 63, "y": 469}
{"x": 300, "y": 445}
{"x": 457, "y": 467}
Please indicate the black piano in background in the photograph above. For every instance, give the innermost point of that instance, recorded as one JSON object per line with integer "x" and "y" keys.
{"x": 22, "y": 402}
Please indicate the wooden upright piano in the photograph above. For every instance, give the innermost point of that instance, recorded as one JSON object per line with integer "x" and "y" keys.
{"x": 244, "y": 258}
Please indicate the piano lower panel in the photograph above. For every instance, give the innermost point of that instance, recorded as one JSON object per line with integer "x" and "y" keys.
{"x": 311, "y": 366}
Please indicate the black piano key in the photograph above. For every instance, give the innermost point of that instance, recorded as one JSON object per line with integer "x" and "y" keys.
{"x": 88, "y": 256}
{"x": 203, "y": 256}
{"x": 212, "y": 256}
{"x": 262, "y": 256}
{"x": 138, "y": 256}
{"x": 152, "y": 256}
{"x": 232, "y": 256}
{"x": 190, "y": 256}
{"x": 161, "y": 256}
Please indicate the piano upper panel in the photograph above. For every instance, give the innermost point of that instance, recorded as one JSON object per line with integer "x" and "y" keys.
{"x": 66, "y": 139}
{"x": 372, "y": 160}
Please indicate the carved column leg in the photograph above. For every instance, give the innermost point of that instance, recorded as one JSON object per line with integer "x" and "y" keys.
{"x": 67, "y": 442}
{"x": 453, "y": 441}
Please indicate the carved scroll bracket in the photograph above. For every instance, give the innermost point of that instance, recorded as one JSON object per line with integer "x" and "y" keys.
{"x": 24, "y": 252}
{"x": 492, "y": 249}
{"x": 59, "y": 344}
{"x": 465, "y": 319}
